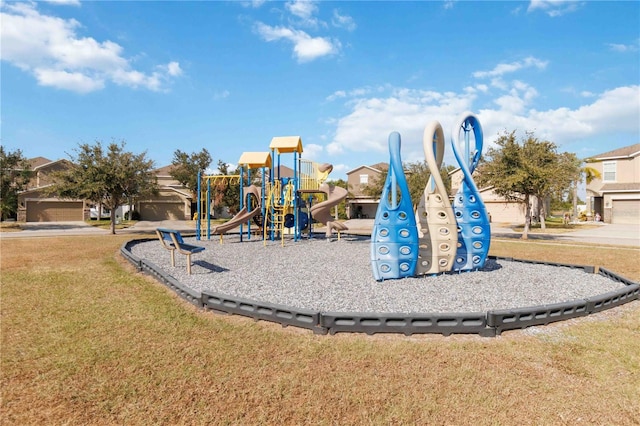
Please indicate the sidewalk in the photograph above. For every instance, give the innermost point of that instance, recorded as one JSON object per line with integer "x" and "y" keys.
{"x": 604, "y": 233}
{"x": 53, "y": 229}
{"x": 609, "y": 234}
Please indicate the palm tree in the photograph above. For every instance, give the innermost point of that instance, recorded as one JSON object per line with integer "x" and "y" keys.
{"x": 589, "y": 174}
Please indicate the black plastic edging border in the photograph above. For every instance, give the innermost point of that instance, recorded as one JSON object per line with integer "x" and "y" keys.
{"x": 510, "y": 319}
{"x": 488, "y": 324}
{"x": 285, "y": 315}
{"x": 407, "y": 324}
{"x": 191, "y": 296}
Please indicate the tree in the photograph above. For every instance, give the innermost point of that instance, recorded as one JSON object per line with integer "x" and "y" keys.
{"x": 520, "y": 172}
{"x": 417, "y": 174}
{"x": 15, "y": 172}
{"x": 588, "y": 174}
{"x": 186, "y": 168}
{"x": 109, "y": 176}
{"x": 342, "y": 206}
{"x": 228, "y": 194}
{"x": 141, "y": 178}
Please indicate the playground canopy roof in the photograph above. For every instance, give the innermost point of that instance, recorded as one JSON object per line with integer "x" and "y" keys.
{"x": 286, "y": 144}
{"x": 253, "y": 160}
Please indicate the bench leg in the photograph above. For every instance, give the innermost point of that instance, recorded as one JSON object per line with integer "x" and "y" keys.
{"x": 189, "y": 263}
{"x": 173, "y": 258}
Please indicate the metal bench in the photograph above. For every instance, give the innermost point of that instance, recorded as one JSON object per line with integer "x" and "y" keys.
{"x": 172, "y": 241}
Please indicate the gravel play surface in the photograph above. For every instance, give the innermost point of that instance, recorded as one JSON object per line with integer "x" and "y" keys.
{"x": 336, "y": 277}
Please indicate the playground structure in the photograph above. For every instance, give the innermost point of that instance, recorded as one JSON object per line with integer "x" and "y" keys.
{"x": 474, "y": 229}
{"x": 438, "y": 232}
{"x": 282, "y": 204}
{"x": 394, "y": 240}
{"x": 436, "y": 238}
{"x": 404, "y": 243}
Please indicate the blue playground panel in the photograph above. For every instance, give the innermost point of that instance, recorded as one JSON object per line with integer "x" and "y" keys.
{"x": 394, "y": 240}
{"x": 474, "y": 228}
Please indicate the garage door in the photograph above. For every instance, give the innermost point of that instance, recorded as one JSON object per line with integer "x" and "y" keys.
{"x": 54, "y": 211}
{"x": 161, "y": 211}
{"x": 625, "y": 211}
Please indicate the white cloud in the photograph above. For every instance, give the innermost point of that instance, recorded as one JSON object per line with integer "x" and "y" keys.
{"x": 623, "y": 48}
{"x": 73, "y": 81}
{"x": 65, "y": 2}
{"x": 336, "y": 95}
{"x": 221, "y": 95}
{"x": 507, "y": 68}
{"x": 303, "y": 9}
{"x": 313, "y": 151}
{"x": 255, "y": 4}
{"x": 616, "y": 110}
{"x": 343, "y": 21}
{"x": 612, "y": 111}
{"x": 372, "y": 118}
{"x": 338, "y": 169}
{"x": 50, "y": 49}
{"x": 357, "y": 92}
{"x": 367, "y": 127}
{"x": 173, "y": 69}
{"x": 305, "y": 47}
{"x": 519, "y": 96}
{"x": 554, "y": 8}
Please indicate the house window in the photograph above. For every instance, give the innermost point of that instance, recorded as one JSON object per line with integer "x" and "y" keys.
{"x": 609, "y": 171}
{"x": 364, "y": 179}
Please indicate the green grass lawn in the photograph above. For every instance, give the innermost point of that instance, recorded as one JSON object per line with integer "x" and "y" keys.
{"x": 85, "y": 339}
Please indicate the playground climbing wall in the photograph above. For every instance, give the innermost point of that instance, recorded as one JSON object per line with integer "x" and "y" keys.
{"x": 437, "y": 237}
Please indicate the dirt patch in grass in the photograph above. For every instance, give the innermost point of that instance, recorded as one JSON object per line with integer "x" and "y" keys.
{"x": 555, "y": 228}
{"x": 88, "y": 340}
{"x": 10, "y": 227}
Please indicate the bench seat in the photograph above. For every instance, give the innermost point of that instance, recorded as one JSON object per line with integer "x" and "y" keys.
{"x": 172, "y": 241}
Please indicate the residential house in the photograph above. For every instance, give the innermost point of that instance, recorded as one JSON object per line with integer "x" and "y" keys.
{"x": 172, "y": 202}
{"x": 500, "y": 209}
{"x": 615, "y": 196}
{"x": 359, "y": 205}
{"x": 36, "y": 205}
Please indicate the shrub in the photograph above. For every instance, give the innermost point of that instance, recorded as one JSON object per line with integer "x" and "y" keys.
{"x": 135, "y": 215}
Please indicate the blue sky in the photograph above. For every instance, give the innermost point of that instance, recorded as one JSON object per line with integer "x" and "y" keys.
{"x": 229, "y": 76}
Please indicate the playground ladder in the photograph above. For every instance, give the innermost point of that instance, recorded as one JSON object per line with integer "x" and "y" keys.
{"x": 275, "y": 211}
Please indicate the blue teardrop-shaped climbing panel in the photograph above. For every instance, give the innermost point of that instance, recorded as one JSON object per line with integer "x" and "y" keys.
{"x": 394, "y": 240}
{"x": 474, "y": 228}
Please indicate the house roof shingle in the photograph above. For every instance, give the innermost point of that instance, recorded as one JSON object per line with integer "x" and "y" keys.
{"x": 378, "y": 167}
{"x": 626, "y": 151}
{"x": 38, "y": 161}
{"x": 620, "y": 187}
{"x": 164, "y": 171}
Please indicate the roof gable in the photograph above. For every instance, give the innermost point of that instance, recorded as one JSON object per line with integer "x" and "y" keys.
{"x": 38, "y": 161}
{"x": 378, "y": 168}
{"x": 51, "y": 164}
{"x": 624, "y": 152}
{"x": 165, "y": 170}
